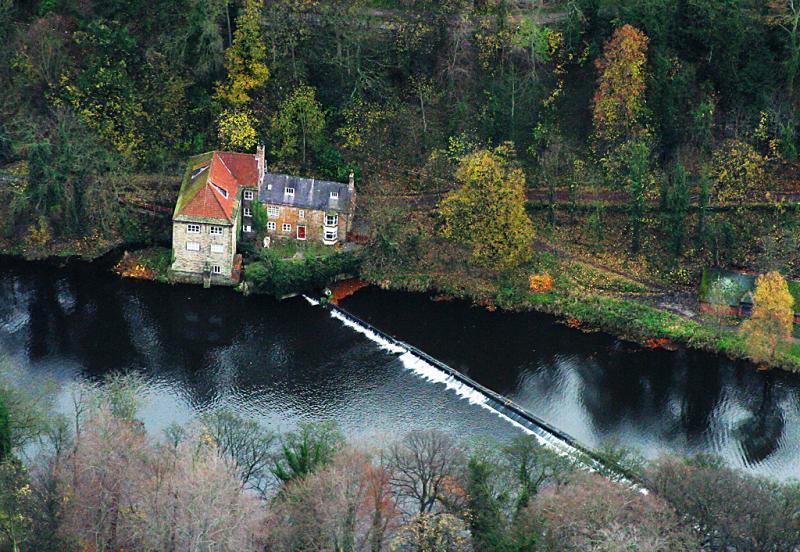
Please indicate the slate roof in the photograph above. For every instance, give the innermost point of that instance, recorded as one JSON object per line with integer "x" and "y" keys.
{"x": 309, "y": 193}
{"x": 210, "y": 183}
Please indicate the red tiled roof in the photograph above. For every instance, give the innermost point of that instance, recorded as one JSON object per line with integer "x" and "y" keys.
{"x": 226, "y": 171}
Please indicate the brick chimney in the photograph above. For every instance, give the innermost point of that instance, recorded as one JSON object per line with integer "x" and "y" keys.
{"x": 351, "y": 185}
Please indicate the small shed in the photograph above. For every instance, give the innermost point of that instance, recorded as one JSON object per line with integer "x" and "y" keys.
{"x": 737, "y": 293}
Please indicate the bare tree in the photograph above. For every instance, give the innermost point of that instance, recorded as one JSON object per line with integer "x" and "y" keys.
{"x": 347, "y": 505}
{"x": 109, "y": 469}
{"x": 245, "y": 443}
{"x": 425, "y": 466}
{"x": 740, "y": 511}
{"x": 593, "y": 513}
{"x": 193, "y": 500}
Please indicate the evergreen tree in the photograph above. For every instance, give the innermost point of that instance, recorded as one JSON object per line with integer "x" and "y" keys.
{"x": 5, "y": 431}
{"x": 486, "y": 518}
{"x": 677, "y": 209}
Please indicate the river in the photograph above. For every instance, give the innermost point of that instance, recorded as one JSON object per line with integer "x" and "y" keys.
{"x": 290, "y": 361}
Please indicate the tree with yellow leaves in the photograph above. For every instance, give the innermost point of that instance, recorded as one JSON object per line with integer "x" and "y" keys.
{"x": 618, "y": 106}
{"x": 487, "y": 212}
{"x": 245, "y": 63}
{"x": 773, "y": 316}
{"x": 245, "y": 59}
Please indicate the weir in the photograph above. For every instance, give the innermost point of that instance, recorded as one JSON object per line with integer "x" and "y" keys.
{"x": 436, "y": 371}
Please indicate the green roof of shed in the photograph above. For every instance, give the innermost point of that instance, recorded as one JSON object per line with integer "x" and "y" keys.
{"x": 739, "y": 284}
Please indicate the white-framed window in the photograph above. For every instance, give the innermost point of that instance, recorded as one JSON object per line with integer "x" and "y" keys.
{"x": 301, "y": 214}
{"x": 221, "y": 190}
{"x": 247, "y": 228}
{"x": 287, "y": 227}
{"x": 216, "y": 269}
{"x": 271, "y": 225}
{"x": 331, "y": 220}
{"x": 217, "y": 248}
{"x": 215, "y": 230}
{"x": 193, "y": 228}
{"x": 273, "y": 211}
{"x": 248, "y": 194}
{"x": 193, "y": 246}
{"x": 288, "y": 191}
{"x": 331, "y": 235}
{"x": 334, "y": 195}
{"x": 248, "y": 212}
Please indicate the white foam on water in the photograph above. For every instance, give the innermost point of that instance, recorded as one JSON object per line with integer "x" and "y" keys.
{"x": 431, "y": 373}
{"x": 372, "y": 336}
{"x": 313, "y": 302}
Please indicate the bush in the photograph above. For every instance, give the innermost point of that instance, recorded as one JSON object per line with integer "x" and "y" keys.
{"x": 274, "y": 276}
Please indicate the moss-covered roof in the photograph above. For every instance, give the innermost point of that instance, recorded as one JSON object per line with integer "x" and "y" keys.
{"x": 190, "y": 186}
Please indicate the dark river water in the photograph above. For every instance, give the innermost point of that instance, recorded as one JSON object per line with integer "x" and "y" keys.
{"x": 285, "y": 362}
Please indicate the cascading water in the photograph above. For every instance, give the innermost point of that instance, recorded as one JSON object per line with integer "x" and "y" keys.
{"x": 434, "y": 371}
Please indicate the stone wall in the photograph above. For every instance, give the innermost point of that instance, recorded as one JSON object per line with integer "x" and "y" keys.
{"x": 193, "y": 262}
{"x": 313, "y": 220}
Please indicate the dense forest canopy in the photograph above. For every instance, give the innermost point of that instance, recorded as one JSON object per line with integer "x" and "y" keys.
{"x": 151, "y": 82}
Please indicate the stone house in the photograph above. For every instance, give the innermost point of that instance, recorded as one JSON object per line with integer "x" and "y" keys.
{"x": 214, "y": 211}
{"x": 308, "y": 209}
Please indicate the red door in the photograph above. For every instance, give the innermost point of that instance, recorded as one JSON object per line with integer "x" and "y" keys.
{"x": 301, "y": 232}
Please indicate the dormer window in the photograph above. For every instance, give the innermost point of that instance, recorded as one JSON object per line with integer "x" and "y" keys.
{"x": 288, "y": 191}
{"x": 334, "y": 195}
{"x": 248, "y": 194}
{"x": 196, "y": 172}
{"x": 221, "y": 190}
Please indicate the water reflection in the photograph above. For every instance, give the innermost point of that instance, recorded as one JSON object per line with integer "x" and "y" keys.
{"x": 278, "y": 362}
{"x": 602, "y": 390}
{"x": 286, "y": 362}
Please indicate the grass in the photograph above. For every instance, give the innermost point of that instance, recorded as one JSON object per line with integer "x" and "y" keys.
{"x": 287, "y": 248}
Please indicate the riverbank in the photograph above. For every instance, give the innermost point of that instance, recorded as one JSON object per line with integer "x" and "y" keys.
{"x": 583, "y": 297}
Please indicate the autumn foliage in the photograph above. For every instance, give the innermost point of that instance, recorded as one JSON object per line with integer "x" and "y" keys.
{"x": 772, "y": 320}
{"x": 487, "y": 212}
{"x": 619, "y": 102}
{"x": 540, "y": 282}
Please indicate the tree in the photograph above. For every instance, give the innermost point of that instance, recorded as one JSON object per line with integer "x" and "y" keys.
{"x": 739, "y": 172}
{"x": 427, "y": 532}
{"x": 5, "y": 430}
{"x": 303, "y": 451}
{"x": 245, "y": 59}
{"x": 741, "y": 511}
{"x": 245, "y": 444}
{"x": 487, "y": 212}
{"x": 299, "y": 123}
{"x": 638, "y": 180}
{"x": 619, "y": 109}
{"x": 486, "y": 520}
{"x": 677, "y": 209}
{"x": 16, "y": 503}
{"x": 335, "y": 508}
{"x": 772, "y": 320}
{"x": 590, "y": 512}
{"x": 245, "y": 63}
{"x": 424, "y": 467}
{"x": 260, "y": 217}
{"x": 719, "y": 295}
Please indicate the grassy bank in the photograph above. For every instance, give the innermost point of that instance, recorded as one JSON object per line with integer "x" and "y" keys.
{"x": 583, "y": 297}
